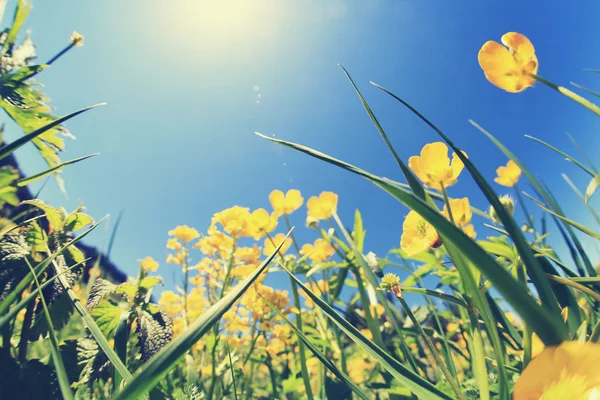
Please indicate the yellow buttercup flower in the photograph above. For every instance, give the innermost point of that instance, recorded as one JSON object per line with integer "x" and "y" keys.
{"x": 247, "y": 255}
{"x": 184, "y": 233}
{"x": 509, "y": 67}
{"x": 322, "y": 207}
{"x": 261, "y": 223}
{"x": 216, "y": 243}
{"x": 320, "y": 251}
{"x": 433, "y": 166}
{"x": 234, "y": 220}
{"x": 462, "y": 214}
{"x": 270, "y": 246}
{"x": 418, "y": 235}
{"x": 508, "y": 175}
{"x": 148, "y": 264}
{"x": 567, "y": 371}
{"x": 288, "y": 203}
{"x": 76, "y": 39}
{"x": 173, "y": 244}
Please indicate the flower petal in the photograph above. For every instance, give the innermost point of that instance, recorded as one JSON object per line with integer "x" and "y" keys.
{"x": 519, "y": 44}
{"x": 293, "y": 200}
{"x": 277, "y": 200}
{"x": 435, "y": 156}
{"x": 495, "y": 59}
{"x": 511, "y": 83}
{"x": 416, "y": 166}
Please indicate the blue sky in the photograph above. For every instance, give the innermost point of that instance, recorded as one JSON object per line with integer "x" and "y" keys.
{"x": 182, "y": 81}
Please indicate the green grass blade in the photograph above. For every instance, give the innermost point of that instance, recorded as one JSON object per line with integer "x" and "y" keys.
{"x": 411, "y": 380}
{"x": 433, "y": 293}
{"x": 166, "y": 359}
{"x": 30, "y": 179}
{"x": 61, "y": 373}
{"x": 232, "y": 371}
{"x": 565, "y": 155}
{"x": 571, "y": 95}
{"x": 574, "y": 224}
{"x": 113, "y": 234}
{"x": 507, "y": 220}
{"x": 330, "y": 365}
{"x": 580, "y": 195}
{"x": 575, "y": 285}
{"x": 11, "y": 147}
{"x": 591, "y": 91}
{"x": 550, "y": 330}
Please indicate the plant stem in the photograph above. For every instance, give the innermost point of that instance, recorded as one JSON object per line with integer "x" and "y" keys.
{"x": 447, "y": 201}
{"x": 520, "y": 201}
{"x": 527, "y": 333}
{"x": 434, "y": 352}
{"x": 573, "y": 96}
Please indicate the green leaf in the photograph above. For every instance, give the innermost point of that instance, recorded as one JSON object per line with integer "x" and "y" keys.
{"x": 550, "y": 330}
{"x": 99, "y": 290}
{"x": 52, "y": 215}
{"x": 411, "y": 380}
{"x": 154, "y": 332}
{"x": 127, "y": 289}
{"x": 61, "y": 310}
{"x": 148, "y": 282}
{"x": 358, "y": 232}
{"x": 21, "y": 12}
{"x": 106, "y": 314}
{"x": 166, "y": 359}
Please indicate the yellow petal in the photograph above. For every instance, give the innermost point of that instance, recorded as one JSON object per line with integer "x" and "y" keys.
{"x": 457, "y": 165}
{"x": 519, "y": 44}
{"x": 329, "y": 200}
{"x": 277, "y": 200}
{"x": 495, "y": 59}
{"x": 293, "y": 200}
{"x": 416, "y": 165}
{"x": 510, "y": 83}
{"x": 435, "y": 156}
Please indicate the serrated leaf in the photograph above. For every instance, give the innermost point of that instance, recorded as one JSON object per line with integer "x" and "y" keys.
{"x": 148, "y": 282}
{"x": 8, "y": 175}
{"x": 60, "y": 310}
{"x": 98, "y": 291}
{"x": 36, "y": 237}
{"x": 77, "y": 220}
{"x": 76, "y": 254}
{"x": 154, "y": 332}
{"x": 127, "y": 289}
{"x": 106, "y": 314}
{"x": 591, "y": 188}
{"x": 52, "y": 215}
{"x": 94, "y": 362}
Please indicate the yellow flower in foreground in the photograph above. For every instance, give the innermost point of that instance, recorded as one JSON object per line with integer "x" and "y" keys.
{"x": 320, "y": 251}
{"x": 184, "y": 233}
{"x": 261, "y": 223}
{"x": 322, "y": 207}
{"x": 433, "y": 166}
{"x": 148, "y": 264}
{"x": 288, "y": 203}
{"x": 462, "y": 214}
{"x": 508, "y": 175}
{"x": 234, "y": 220}
{"x": 567, "y": 371}
{"x": 509, "y": 69}
{"x": 418, "y": 235}
{"x": 270, "y": 246}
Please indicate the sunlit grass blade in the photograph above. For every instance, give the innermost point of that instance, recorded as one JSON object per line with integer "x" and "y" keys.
{"x": 411, "y": 380}
{"x": 433, "y": 293}
{"x": 14, "y": 310}
{"x": 574, "y": 224}
{"x": 330, "y": 365}
{"x": 61, "y": 373}
{"x": 21, "y": 224}
{"x": 591, "y": 188}
{"x": 571, "y": 95}
{"x": 562, "y": 153}
{"x": 30, "y": 179}
{"x": 583, "y": 153}
{"x": 550, "y": 330}
{"x": 166, "y": 359}
{"x": 11, "y": 147}
{"x": 591, "y": 91}
{"x": 575, "y": 285}
{"x": 233, "y": 379}
{"x": 113, "y": 234}
{"x": 581, "y": 196}
{"x": 534, "y": 269}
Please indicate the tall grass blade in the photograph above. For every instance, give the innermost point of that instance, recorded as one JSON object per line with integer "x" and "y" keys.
{"x": 30, "y": 179}
{"x": 565, "y": 155}
{"x": 166, "y": 359}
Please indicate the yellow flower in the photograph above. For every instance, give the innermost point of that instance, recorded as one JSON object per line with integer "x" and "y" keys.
{"x": 170, "y": 302}
{"x": 269, "y": 247}
{"x": 322, "y": 207}
{"x": 234, "y": 220}
{"x": 462, "y": 214}
{"x": 418, "y": 235}
{"x": 433, "y": 166}
{"x": 76, "y": 39}
{"x": 216, "y": 242}
{"x": 567, "y": 371}
{"x": 184, "y": 233}
{"x": 261, "y": 223}
{"x": 288, "y": 203}
{"x": 509, "y": 175}
{"x": 509, "y": 69}
{"x": 321, "y": 251}
{"x": 318, "y": 288}
{"x": 148, "y": 264}
{"x": 173, "y": 244}
{"x": 178, "y": 258}
{"x": 247, "y": 255}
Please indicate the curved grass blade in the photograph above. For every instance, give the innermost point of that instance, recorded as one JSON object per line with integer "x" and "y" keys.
{"x": 166, "y": 359}
{"x": 61, "y": 373}
{"x": 562, "y": 153}
{"x": 11, "y": 147}
{"x": 571, "y": 95}
{"x": 30, "y": 179}
{"x": 550, "y": 331}
{"x": 411, "y": 380}
{"x": 580, "y": 195}
{"x": 591, "y": 91}
{"x": 330, "y": 366}
{"x": 574, "y": 224}
{"x": 534, "y": 269}
{"x": 575, "y": 285}
{"x": 443, "y": 296}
